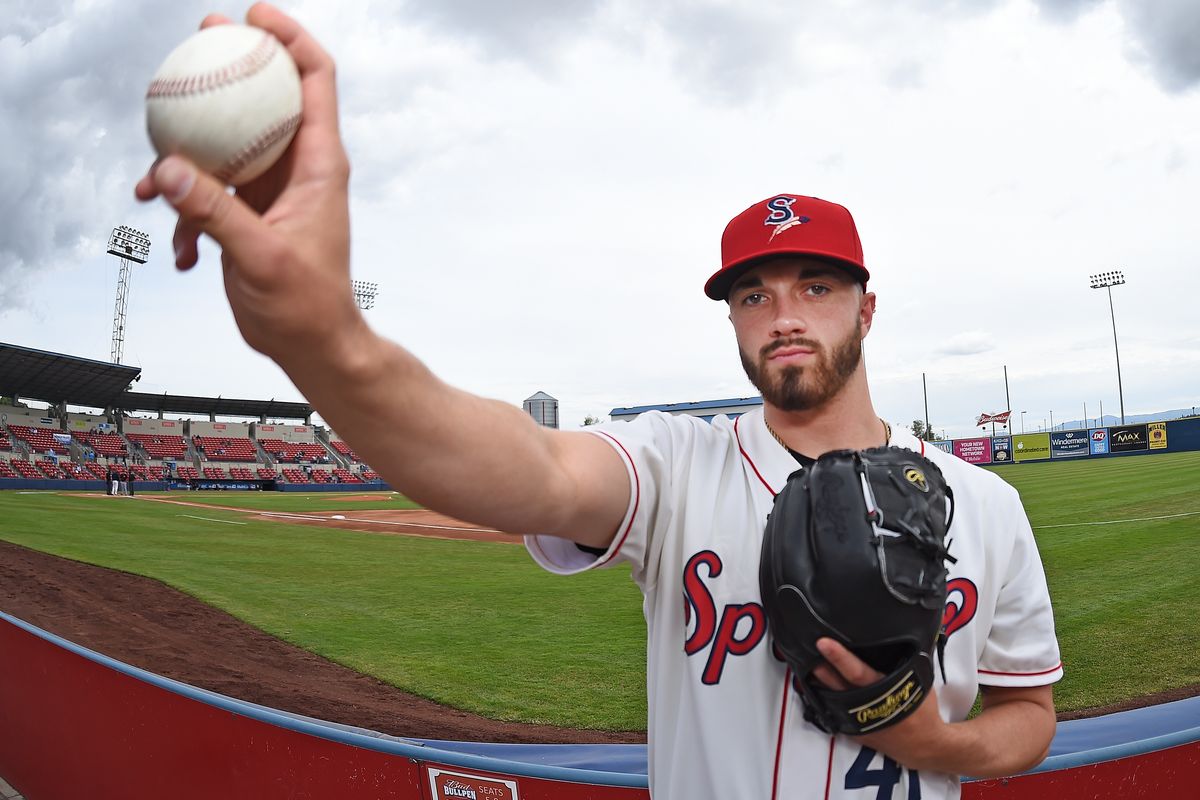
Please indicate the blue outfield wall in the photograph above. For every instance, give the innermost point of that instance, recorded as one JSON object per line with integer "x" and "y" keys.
{"x": 1182, "y": 435}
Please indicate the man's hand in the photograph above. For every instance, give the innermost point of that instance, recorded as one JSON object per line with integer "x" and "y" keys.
{"x": 285, "y": 236}
{"x": 1011, "y": 734}
{"x": 912, "y": 740}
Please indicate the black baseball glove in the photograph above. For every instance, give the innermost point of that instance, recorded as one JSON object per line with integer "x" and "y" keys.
{"x": 855, "y": 549}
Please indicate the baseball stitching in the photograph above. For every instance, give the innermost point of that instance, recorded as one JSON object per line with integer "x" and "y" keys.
{"x": 249, "y": 64}
{"x": 280, "y": 130}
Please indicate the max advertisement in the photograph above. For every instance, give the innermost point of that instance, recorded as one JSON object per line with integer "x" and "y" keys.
{"x": 1127, "y": 438}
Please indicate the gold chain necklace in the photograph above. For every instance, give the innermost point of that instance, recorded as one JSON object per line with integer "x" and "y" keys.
{"x": 887, "y": 433}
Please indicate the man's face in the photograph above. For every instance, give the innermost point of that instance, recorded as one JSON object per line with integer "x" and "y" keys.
{"x": 800, "y": 324}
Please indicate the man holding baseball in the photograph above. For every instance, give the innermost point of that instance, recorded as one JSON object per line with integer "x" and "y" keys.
{"x": 683, "y": 501}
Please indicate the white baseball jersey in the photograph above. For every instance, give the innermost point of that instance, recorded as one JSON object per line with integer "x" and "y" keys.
{"x": 724, "y": 720}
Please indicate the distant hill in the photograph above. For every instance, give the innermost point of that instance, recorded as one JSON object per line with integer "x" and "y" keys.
{"x": 1130, "y": 419}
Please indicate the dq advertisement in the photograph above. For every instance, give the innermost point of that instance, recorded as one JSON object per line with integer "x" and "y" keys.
{"x": 1031, "y": 446}
{"x": 1127, "y": 438}
{"x": 974, "y": 451}
{"x": 1069, "y": 444}
{"x": 1099, "y": 437}
{"x": 1001, "y": 449}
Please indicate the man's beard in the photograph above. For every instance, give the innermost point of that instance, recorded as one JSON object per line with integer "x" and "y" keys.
{"x": 809, "y": 387}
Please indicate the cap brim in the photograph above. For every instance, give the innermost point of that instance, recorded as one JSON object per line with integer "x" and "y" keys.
{"x": 718, "y": 286}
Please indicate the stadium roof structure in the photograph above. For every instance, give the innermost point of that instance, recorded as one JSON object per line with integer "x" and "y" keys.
{"x": 58, "y": 378}
{"x": 213, "y": 406}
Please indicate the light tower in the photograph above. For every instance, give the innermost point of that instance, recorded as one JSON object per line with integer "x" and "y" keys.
{"x": 364, "y": 294}
{"x": 130, "y": 246}
{"x": 1107, "y": 280}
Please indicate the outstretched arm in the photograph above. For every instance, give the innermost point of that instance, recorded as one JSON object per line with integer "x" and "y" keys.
{"x": 285, "y": 241}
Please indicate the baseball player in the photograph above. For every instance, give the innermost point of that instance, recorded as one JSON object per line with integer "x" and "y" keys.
{"x": 683, "y": 501}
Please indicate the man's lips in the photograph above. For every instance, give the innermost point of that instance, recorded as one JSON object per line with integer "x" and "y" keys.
{"x": 787, "y": 353}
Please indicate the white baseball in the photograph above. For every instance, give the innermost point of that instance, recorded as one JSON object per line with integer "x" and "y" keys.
{"x": 228, "y": 98}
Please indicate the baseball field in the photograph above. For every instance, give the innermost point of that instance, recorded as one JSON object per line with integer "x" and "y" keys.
{"x": 466, "y": 619}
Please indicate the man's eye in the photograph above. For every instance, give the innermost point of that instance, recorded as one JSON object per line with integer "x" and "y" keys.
{"x": 753, "y": 299}
{"x": 818, "y": 289}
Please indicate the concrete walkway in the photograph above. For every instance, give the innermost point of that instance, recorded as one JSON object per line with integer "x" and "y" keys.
{"x": 7, "y": 792}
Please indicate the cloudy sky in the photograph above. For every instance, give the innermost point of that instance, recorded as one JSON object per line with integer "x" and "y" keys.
{"x": 539, "y": 188}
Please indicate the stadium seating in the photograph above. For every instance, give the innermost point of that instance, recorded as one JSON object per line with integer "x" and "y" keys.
{"x": 346, "y": 476}
{"x": 98, "y": 472}
{"x": 27, "y": 470}
{"x": 187, "y": 473}
{"x": 370, "y": 475}
{"x": 222, "y": 448}
{"x": 105, "y": 444}
{"x": 294, "y": 452}
{"x": 39, "y": 439}
{"x": 5, "y": 470}
{"x": 295, "y": 476}
{"x": 321, "y": 476}
{"x": 162, "y": 446}
{"x": 345, "y": 450}
{"x": 5, "y": 442}
{"x": 215, "y": 473}
{"x": 51, "y": 470}
{"x": 74, "y": 471}
{"x": 241, "y": 473}
{"x": 267, "y": 474}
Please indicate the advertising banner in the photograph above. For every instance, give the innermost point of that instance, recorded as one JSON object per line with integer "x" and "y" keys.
{"x": 1099, "y": 437}
{"x": 945, "y": 447}
{"x": 1001, "y": 449}
{"x": 1031, "y": 446}
{"x": 1158, "y": 435}
{"x": 1069, "y": 444}
{"x": 1127, "y": 438}
{"x": 974, "y": 451}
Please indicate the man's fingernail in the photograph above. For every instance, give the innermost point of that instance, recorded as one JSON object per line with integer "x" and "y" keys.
{"x": 175, "y": 179}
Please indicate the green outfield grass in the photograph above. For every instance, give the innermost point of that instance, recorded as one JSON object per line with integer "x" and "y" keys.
{"x": 472, "y": 624}
{"x": 480, "y": 627}
{"x": 1126, "y": 591}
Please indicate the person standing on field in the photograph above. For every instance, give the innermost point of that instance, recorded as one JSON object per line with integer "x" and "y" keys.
{"x": 683, "y": 501}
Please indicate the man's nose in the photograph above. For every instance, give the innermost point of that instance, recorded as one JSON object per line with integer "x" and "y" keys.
{"x": 789, "y": 319}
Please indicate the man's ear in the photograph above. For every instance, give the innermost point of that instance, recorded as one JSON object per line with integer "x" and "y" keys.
{"x": 866, "y": 312}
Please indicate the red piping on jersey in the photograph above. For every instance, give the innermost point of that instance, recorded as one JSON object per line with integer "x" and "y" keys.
{"x": 787, "y": 682}
{"x": 749, "y": 460}
{"x": 829, "y": 767}
{"x": 1021, "y": 674}
{"x": 922, "y": 441}
{"x": 637, "y": 498}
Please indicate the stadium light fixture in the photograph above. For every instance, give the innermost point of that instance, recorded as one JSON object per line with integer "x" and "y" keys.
{"x": 365, "y": 294}
{"x": 132, "y": 247}
{"x": 1107, "y": 280}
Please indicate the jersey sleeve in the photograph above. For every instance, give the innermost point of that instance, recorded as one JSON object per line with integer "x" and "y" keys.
{"x": 645, "y": 445}
{"x": 1021, "y": 647}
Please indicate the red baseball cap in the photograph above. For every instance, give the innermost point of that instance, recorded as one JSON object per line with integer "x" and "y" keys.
{"x": 787, "y": 224}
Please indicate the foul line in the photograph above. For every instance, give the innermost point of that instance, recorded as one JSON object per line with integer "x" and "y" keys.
{"x": 382, "y": 522}
{"x": 1117, "y": 521}
{"x": 210, "y": 519}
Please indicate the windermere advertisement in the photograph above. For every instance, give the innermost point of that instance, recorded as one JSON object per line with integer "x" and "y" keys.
{"x": 1069, "y": 444}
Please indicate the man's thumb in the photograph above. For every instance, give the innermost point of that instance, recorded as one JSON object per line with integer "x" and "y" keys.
{"x": 203, "y": 201}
